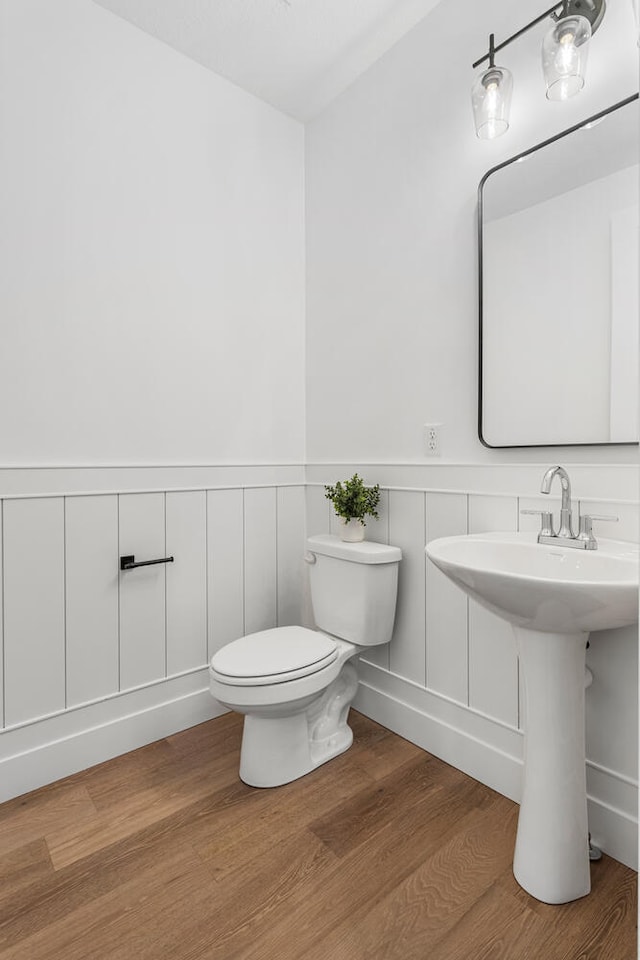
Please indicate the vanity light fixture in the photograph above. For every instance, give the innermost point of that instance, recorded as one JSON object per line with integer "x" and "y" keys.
{"x": 564, "y": 56}
{"x": 491, "y": 99}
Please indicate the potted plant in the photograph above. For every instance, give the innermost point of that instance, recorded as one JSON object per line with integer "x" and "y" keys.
{"x": 352, "y": 502}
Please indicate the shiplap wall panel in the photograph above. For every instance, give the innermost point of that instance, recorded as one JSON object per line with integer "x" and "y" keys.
{"x": 91, "y": 551}
{"x": 611, "y": 706}
{"x": 317, "y": 520}
{"x": 318, "y": 511}
{"x": 376, "y": 530}
{"x": 624, "y": 528}
{"x": 34, "y": 626}
{"x": 142, "y": 591}
{"x": 493, "y": 666}
{"x": 487, "y": 514}
{"x": 446, "y": 604}
{"x": 407, "y": 651}
{"x": 186, "y": 530}
{"x": 290, "y": 514}
{"x": 1, "y": 624}
{"x": 225, "y": 567}
{"x": 260, "y": 560}
{"x": 493, "y": 657}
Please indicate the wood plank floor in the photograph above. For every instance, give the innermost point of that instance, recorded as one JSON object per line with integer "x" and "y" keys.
{"x": 385, "y": 853}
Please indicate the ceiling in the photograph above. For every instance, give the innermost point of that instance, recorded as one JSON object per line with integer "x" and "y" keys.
{"x": 298, "y": 55}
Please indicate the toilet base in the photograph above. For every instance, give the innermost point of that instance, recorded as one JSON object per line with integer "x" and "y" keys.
{"x": 279, "y": 749}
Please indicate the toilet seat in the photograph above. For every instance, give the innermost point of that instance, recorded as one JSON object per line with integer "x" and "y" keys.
{"x": 273, "y": 656}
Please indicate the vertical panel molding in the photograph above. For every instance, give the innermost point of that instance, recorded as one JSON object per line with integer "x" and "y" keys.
{"x": 142, "y": 590}
{"x": 260, "y": 572}
{"x": 34, "y": 626}
{"x": 186, "y": 541}
{"x": 225, "y": 567}
{"x": 290, "y": 548}
{"x": 446, "y": 605}
{"x": 407, "y": 652}
{"x": 91, "y": 557}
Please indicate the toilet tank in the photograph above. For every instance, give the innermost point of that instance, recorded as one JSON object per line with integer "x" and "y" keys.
{"x": 353, "y": 588}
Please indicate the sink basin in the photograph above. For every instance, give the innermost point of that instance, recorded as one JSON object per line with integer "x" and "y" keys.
{"x": 542, "y": 587}
{"x": 553, "y": 596}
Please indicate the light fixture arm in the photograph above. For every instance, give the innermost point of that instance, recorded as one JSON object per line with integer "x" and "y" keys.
{"x": 592, "y": 10}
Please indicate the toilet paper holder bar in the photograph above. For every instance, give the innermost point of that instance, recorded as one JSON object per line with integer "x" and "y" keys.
{"x": 129, "y": 562}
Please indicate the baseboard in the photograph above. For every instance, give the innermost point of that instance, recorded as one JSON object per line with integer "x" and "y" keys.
{"x": 45, "y": 753}
{"x": 462, "y": 739}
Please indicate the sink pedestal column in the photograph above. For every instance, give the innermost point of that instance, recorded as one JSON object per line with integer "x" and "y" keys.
{"x": 551, "y": 859}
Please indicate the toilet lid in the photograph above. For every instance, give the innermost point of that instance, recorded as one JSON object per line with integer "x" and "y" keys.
{"x": 274, "y": 656}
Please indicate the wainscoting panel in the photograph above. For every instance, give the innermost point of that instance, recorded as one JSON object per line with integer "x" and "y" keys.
{"x": 260, "y": 559}
{"x": 318, "y": 511}
{"x": 377, "y": 530}
{"x": 290, "y": 524}
{"x": 142, "y": 591}
{"x": 186, "y": 541}
{"x": 33, "y": 608}
{"x": 493, "y": 658}
{"x": 611, "y": 702}
{"x": 492, "y": 513}
{"x": 624, "y": 528}
{"x": 225, "y": 567}
{"x": 91, "y": 560}
{"x": 1, "y": 624}
{"x": 446, "y": 605}
{"x": 137, "y": 641}
{"x": 407, "y": 653}
{"x": 493, "y": 666}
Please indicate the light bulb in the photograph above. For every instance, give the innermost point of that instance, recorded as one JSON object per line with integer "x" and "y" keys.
{"x": 491, "y": 98}
{"x": 564, "y": 57}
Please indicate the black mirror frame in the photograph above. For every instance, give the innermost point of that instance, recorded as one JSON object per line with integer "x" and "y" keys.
{"x": 506, "y": 163}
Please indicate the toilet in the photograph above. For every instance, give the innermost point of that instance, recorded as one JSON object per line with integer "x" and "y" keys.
{"x": 295, "y": 685}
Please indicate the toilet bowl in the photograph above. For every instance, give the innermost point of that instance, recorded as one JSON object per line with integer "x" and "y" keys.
{"x": 295, "y": 685}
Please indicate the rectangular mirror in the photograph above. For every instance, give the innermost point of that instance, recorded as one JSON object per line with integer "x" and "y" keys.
{"x": 559, "y": 281}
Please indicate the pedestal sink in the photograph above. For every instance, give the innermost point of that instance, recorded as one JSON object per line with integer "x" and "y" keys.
{"x": 553, "y": 596}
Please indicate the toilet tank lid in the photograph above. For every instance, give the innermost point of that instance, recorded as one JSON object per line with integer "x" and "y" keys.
{"x": 364, "y": 551}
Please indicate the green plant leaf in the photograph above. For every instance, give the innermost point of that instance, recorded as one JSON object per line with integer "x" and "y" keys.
{"x": 352, "y": 500}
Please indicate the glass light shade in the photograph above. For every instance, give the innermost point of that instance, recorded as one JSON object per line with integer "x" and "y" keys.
{"x": 564, "y": 57}
{"x": 491, "y": 100}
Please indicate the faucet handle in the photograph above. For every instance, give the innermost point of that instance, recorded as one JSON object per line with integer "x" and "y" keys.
{"x": 546, "y": 521}
{"x": 586, "y": 532}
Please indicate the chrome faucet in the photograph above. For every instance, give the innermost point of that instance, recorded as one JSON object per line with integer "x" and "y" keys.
{"x": 584, "y": 539}
{"x": 566, "y": 530}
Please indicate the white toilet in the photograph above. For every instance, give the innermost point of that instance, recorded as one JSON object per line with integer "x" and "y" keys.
{"x": 295, "y": 685}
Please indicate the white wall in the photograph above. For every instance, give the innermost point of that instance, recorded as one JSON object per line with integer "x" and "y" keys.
{"x": 393, "y": 168}
{"x": 152, "y": 250}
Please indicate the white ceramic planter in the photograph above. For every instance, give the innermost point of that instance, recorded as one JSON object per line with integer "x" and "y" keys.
{"x": 351, "y": 531}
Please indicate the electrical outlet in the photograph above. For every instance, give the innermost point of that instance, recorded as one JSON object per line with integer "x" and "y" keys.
{"x": 433, "y": 439}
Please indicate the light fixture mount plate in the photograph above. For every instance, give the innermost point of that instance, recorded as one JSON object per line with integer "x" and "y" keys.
{"x": 591, "y": 10}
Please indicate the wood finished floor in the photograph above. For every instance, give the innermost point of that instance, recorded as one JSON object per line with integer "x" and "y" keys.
{"x": 385, "y": 853}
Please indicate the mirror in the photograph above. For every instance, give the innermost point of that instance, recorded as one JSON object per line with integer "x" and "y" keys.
{"x": 559, "y": 280}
